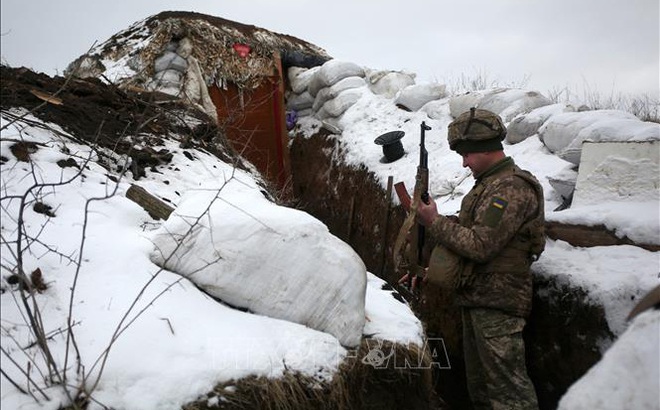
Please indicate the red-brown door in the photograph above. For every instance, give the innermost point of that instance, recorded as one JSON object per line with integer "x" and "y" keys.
{"x": 254, "y": 122}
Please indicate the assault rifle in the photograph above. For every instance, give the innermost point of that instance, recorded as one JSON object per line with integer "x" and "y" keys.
{"x": 417, "y": 231}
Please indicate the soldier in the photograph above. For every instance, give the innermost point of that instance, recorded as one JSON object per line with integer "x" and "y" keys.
{"x": 498, "y": 235}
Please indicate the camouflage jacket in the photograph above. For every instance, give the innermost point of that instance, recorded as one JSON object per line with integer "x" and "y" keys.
{"x": 499, "y": 233}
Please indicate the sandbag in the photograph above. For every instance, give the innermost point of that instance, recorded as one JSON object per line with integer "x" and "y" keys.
{"x": 170, "y": 61}
{"x": 563, "y": 134}
{"x": 509, "y": 102}
{"x": 299, "y": 102}
{"x": 462, "y": 103}
{"x": 338, "y": 105}
{"x": 389, "y": 83}
{"x": 331, "y": 72}
{"x": 415, "y": 96}
{"x": 331, "y": 92}
{"x": 269, "y": 259}
{"x": 525, "y": 125}
{"x": 299, "y": 78}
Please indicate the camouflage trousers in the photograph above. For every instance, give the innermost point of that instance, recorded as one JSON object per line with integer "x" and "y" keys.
{"x": 495, "y": 361}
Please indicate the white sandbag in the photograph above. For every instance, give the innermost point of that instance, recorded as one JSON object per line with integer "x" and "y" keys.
{"x": 170, "y": 61}
{"x": 415, "y": 96}
{"x": 299, "y": 102}
{"x": 525, "y": 125}
{"x": 272, "y": 260}
{"x": 328, "y": 93}
{"x": 437, "y": 109}
{"x": 389, "y": 83}
{"x": 338, "y": 105}
{"x": 305, "y": 112}
{"x": 300, "y": 77}
{"x": 462, "y": 103}
{"x": 167, "y": 82}
{"x": 563, "y": 134}
{"x": 331, "y": 72}
{"x": 509, "y": 102}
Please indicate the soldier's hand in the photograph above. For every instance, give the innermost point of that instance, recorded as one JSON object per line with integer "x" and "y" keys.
{"x": 426, "y": 213}
{"x": 404, "y": 280}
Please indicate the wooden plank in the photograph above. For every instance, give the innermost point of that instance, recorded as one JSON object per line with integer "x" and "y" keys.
{"x": 588, "y": 236}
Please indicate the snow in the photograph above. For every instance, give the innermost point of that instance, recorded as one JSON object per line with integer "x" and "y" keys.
{"x": 174, "y": 342}
{"x": 627, "y": 376}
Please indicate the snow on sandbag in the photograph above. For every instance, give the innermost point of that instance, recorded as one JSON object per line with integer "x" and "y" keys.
{"x": 462, "y": 103}
{"x": 328, "y": 93}
{"x": 626, "y": 377}
{"x": 332, "y": 71}
{"x": 436, "y": 110}
{"x": 415, "y": 96}
{"x": 300, "y": 77}
{"x": 338, "y": 105}
{"x": 389, "y": 83}
{"x": 509, "y": 102}
{"x": 563, "y": 134}
{"x": 299, "y": 102}
{"x": 269, "y": 259}
{"x": 525, "y": 125}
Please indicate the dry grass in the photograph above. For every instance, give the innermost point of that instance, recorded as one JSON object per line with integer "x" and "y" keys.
{"x": 357, "y": 385}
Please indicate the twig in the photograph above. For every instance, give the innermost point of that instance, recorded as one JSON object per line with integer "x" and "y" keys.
{"x": 168, "y": 323}
{"x": 19, "y": 388}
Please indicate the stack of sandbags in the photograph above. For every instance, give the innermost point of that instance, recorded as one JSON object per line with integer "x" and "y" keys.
{"x": 336, "y": 87}
{"x": 298, "y": 98}
{"x": 177, "y": 72}
{"x": 326, "y": 91}
{"x": 525, "y": 125}
{"x": 509, "y": 102}
{"x": 169, "y": 70}
{"x": 505, "y": 102}
{"x": 563, "y": 134}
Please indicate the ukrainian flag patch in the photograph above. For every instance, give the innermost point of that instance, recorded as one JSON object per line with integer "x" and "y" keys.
{"x": 499, "y": 203}
{"x": 495, "y": 211}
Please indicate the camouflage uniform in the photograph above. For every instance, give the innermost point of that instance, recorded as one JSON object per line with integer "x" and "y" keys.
{"x": 500, "y": 231}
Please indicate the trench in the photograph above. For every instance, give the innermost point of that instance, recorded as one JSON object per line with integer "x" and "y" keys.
{"x": 355, "y": 207}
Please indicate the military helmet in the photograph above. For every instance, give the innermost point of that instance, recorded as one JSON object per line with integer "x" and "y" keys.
{"x": 476, "y": 131}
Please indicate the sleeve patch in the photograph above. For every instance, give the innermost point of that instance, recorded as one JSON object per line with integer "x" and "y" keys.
{"x": 495, "y": 211}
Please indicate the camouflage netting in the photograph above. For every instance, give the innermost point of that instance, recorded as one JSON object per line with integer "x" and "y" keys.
{"x": 212, "y": 47}
{"x": 212, "y": 41}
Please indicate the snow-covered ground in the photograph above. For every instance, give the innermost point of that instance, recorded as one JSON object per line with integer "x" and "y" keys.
{"x": 173, "y": 342}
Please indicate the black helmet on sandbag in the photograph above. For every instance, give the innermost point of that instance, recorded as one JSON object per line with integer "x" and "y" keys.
{"x": 476, "y": 131}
